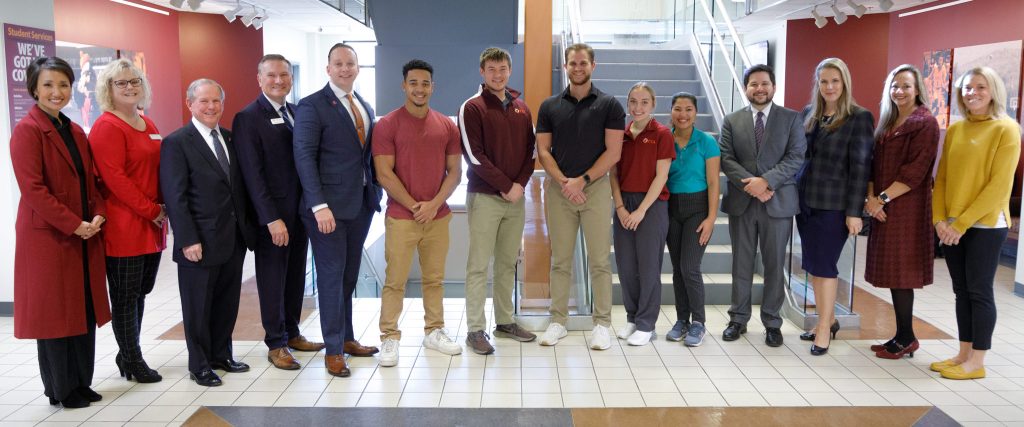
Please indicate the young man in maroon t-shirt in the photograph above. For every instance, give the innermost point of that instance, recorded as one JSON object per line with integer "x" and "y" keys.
{"x": 418, "y": 160}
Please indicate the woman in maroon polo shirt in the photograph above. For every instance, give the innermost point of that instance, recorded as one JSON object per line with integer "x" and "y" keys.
{"x": 641, "y": 214}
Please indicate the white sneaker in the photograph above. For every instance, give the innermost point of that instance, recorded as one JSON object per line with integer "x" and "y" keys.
{"x": 600, "y": 338}
{"x": 626, "y": 331}
{"x": 639, "y": 338}
{"x": 439, "y": 340}
{"x": 388, "y": 353}
{"x": 554, "y": 333}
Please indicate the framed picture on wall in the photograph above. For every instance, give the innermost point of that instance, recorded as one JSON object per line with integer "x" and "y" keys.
{"x": 86, "y": 61}
{"x": 1004, "y": 57}
{"x": 937, "y": 81}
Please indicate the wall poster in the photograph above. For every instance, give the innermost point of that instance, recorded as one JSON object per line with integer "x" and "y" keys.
{"x": 22, "y": 45}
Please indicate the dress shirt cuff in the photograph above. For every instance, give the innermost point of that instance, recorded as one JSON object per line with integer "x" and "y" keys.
{"x": 319, "y": 207}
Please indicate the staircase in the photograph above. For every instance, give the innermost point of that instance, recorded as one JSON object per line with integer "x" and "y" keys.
{"x": 669, "y": 72}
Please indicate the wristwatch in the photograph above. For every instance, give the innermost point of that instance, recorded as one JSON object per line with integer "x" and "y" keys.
{"x": 586, "y": 178}
{"x": 884, "y": 198}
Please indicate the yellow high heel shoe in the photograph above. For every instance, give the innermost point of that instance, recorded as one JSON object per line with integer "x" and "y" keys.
{"x": 958, "y": 373}
{"x": 943, "y": 365}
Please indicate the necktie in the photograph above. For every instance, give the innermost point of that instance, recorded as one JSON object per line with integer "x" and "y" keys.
{"x": 222, "y": 156}
{"x": 284, "y": 115}
{"x": 759, "y": 131}
{"x": 359, "y": 119}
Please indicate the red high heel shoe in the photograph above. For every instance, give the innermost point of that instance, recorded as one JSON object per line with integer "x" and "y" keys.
{"x": 908, "y": 351}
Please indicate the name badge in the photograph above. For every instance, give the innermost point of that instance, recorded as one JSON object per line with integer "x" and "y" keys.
{"x": 155, "y": 136}
{"x": 277, "y": 121}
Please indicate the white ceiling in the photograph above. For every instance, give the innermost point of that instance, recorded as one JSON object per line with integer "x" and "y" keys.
{"x": 310, "y": 16}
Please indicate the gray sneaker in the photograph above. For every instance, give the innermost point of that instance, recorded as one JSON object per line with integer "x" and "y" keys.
{"x": 678, "y": 331}
{"x": 514, "y": 331}
{"x": 478, "y": 341}
{"x": 695, "y": 335}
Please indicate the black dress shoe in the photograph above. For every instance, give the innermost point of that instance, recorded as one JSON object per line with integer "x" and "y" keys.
{"x": 818, "y": 351}
{"x": 834, "y": 329}
{"x": 89, "y": 394}
{"x": 733, "y": 331}
{"x": 74, "y": 400}
{"x": 230, "y": 366}
{"x": 206, "y": 378}
{"x": 773, "y": 337}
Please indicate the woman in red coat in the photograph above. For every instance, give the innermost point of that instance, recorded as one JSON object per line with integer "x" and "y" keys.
{"x": 126, "y": 145}
{"x": 900, "y": 251}
{"x": 59, "y": 290}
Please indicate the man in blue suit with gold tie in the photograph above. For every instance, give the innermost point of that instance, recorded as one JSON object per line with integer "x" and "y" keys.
{"x": 263, "y": 138}
{"x": 333, "y": 130}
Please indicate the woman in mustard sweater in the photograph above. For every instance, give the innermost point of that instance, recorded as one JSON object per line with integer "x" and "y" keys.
{"x": 971, "y": 211}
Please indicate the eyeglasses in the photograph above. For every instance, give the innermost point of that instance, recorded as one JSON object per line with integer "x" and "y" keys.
{"x": 121, "y": 84}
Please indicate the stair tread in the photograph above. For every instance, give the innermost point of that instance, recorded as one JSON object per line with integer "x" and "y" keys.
{"x": 709, "y": 279}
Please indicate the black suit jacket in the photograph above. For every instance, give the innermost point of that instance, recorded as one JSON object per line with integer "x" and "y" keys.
{"x": 264, "y": 145}
{"x": 838, "y": 164}
{"x": 202, "y": 204}
{"x": 332, "y": 165}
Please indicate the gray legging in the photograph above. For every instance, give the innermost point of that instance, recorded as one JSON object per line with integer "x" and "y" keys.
{"x": 686, "y": 211}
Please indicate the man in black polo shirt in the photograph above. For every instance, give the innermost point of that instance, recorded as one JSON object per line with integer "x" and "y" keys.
{"x": 579, "y": 138}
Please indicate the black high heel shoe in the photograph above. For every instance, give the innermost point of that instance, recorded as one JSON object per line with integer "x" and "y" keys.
{"x": 140, "y": 370}
{"x": 818, "y": 351}
{"x": 809, "y": 336}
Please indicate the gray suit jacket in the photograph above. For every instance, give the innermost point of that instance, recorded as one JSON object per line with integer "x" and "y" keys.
{"x": 778, "y": 162}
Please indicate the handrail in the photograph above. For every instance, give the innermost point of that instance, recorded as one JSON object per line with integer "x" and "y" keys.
{"x": 735, "y": 36}
{"x": 721, "y": 44}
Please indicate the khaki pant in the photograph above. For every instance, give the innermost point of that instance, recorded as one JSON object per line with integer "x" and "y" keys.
{"x": 401, "y": 238}
{"x": 495, "y": 229}
{"x": 565, "y": 219}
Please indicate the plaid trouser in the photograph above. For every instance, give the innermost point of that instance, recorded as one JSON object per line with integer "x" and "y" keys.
{"x": 130, "y": 279}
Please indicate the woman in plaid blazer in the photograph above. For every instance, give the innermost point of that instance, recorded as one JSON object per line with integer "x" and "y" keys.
{"x": 832, "y": 185}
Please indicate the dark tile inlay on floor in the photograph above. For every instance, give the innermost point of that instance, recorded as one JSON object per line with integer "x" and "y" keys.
{"x": 636, "y": 417}
{"x": 392, "y": 417}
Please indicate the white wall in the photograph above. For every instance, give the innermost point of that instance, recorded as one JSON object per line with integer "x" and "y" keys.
{"x": 36, "y": 14}
{"x": 309, "y": 51}
{"x": 775, "y": 34}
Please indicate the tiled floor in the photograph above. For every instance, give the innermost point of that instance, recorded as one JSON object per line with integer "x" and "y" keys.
{"x": 741, "y": 373}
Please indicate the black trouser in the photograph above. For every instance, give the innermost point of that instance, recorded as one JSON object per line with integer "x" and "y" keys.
{"x": 972, "y": 267}
{"x": 67, "y": 363}
{"x": 686, "y": 211}
{"x": 130, "y": 279}
{"x": 209, "y": 307}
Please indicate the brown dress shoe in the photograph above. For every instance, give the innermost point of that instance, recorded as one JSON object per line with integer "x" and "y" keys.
{"x": 359, "y": 350}
{"x": 281, "y": 358}
{"x": 337, "y": 366}
{"x": 300, "y": 343}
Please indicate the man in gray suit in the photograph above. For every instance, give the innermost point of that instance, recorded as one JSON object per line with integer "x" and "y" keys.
{"x": 762, "y": 149}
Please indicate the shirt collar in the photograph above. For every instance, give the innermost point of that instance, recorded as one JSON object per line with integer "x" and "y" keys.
{"x": 205, "y": 131}
{"x": 277, "y": 107}
{"x": 339, "y": 92}
{"x": 767, "y": 109}
{"x": 594, "y": 91}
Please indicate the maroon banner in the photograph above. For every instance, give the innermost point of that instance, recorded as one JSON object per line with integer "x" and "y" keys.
{"x": 23, "y": 45}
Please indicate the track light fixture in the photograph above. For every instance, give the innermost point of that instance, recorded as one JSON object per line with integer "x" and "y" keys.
{"x": 233, "y": 13}
{"x": 858, "y": 9}
{"x": 177, "y": 3}
{"x": 885, "y": 5}
{"x": 194, "y": 4}
{"x": 819, "y": 20}
{"x": 258, "y": 22}
{"x": 839, "y": 16}
{"x": 249, "y": 17}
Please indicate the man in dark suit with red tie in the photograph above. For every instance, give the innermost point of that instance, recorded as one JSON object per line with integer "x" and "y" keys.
{"x": 207, "y": 205}
{"x": 333, "y": 130}
{"x": 263, "y": 139}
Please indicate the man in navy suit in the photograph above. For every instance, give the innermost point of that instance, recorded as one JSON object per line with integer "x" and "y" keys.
{"x": 333, "y": 131}
{"x": 207, "y": 206}
{"x": 263, "y": 138}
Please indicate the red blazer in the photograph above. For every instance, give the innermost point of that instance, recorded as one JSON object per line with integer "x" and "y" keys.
{"x": 49, "y": 291}
{"x": 128, "y": 164}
